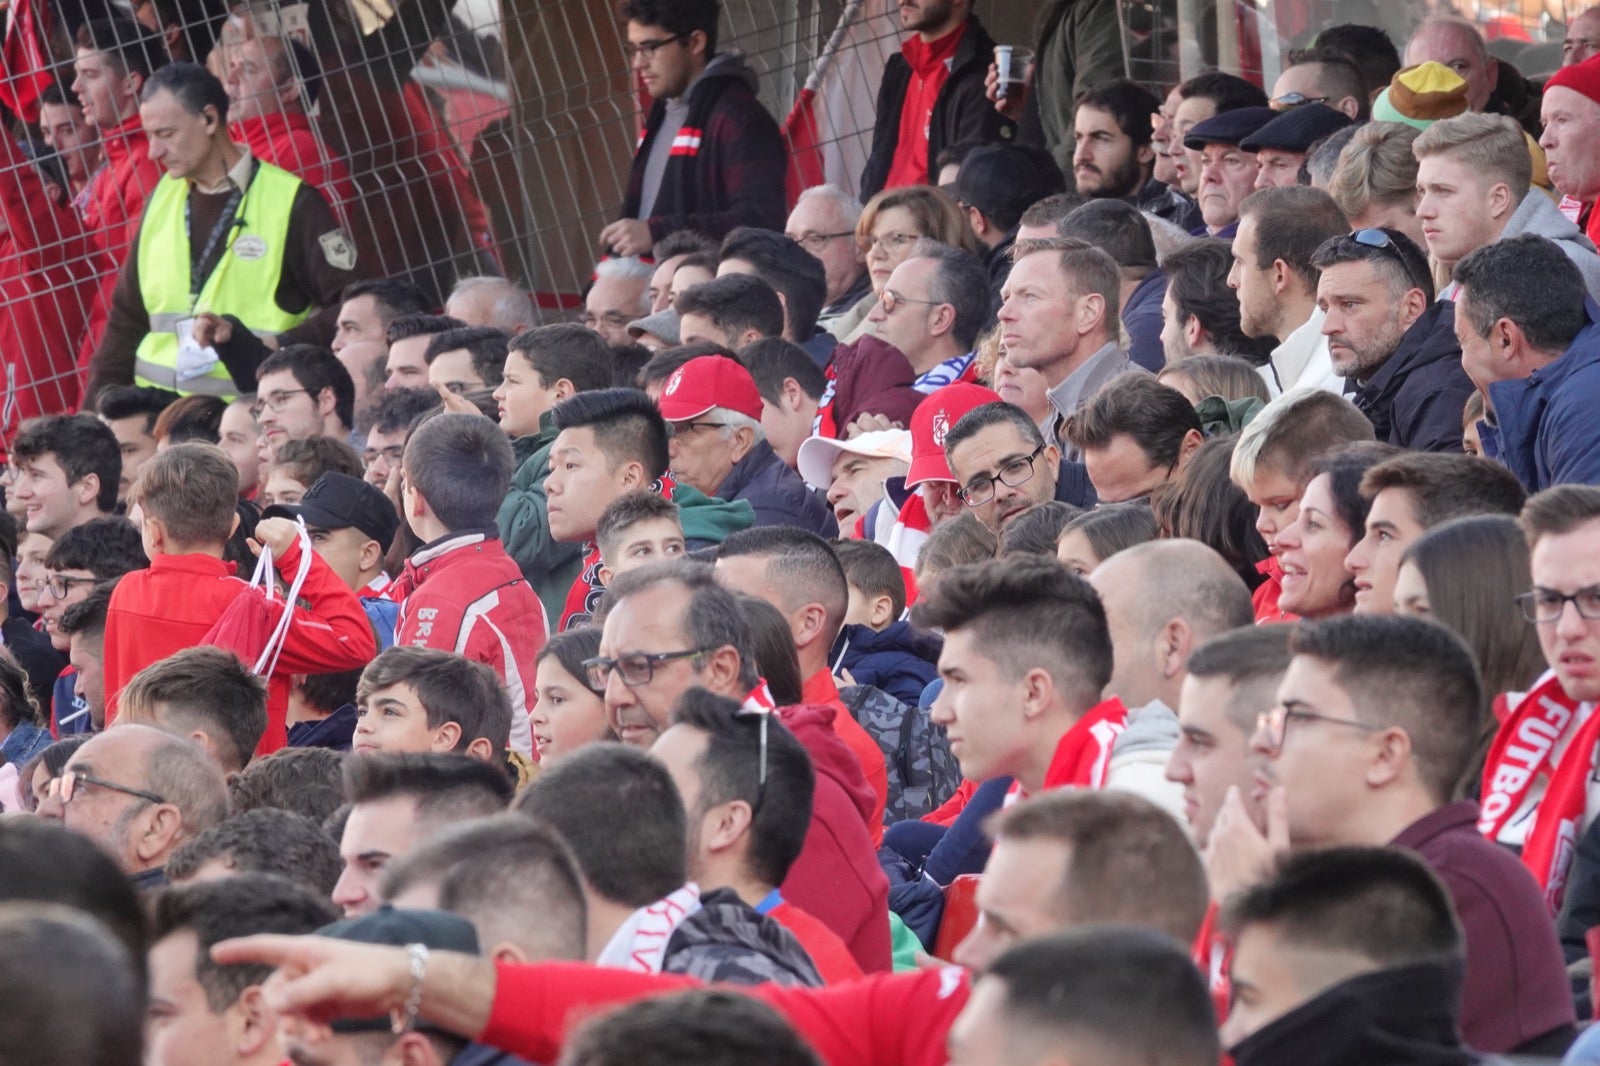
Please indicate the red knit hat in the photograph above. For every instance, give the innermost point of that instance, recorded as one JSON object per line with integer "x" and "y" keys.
{"x": 1581, "y": 78}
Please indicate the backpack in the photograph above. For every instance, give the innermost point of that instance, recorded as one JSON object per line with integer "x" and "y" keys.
{"x": 922, "y": 771}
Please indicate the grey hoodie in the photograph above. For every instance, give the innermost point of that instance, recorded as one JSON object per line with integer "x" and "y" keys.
{"x": 1538, "y": 215}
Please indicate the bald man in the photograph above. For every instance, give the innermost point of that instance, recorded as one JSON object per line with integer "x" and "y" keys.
{"x": 1491, "y": 86}
{"x": 1582, "y": 39}
{"x": 1162, "y": 599}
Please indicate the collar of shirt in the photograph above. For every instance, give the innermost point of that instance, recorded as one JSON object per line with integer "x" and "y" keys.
{"x": 237, "y": 178}
{"x": 1083, "y": 382}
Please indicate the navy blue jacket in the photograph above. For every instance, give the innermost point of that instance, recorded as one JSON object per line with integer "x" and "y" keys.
{"x": 899, "y": 659}
{"x": 1142, "y": 319}
{"x": 1416, "y": 397}
{"x": 1545, "y": 427}
{"x": 777, "y": 494}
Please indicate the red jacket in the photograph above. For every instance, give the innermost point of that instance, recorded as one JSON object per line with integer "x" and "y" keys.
{"x": 884, "y": 1020}
{"x": 286, "y": 139}
{"x": 48, "y": 282}
{"x": 832, "y": 955}
{"x": 819, "y": 688}
{"x": 837, "y": 877}
{"x": 116, "y": 205}
{"x": 171, "y": 606}
{"x": 464, "y": 594}
{"x": 867, "y": 376}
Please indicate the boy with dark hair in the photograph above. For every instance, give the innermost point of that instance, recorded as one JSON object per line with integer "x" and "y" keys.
{"x": 794, "y": 274}
{"x": 466, "y": 360}
{"x": 68, "y": 468}
{"x": 791, "y": 386}
{"x": 387, "y": 425}
{"x": 84, "y": 626}
{"x": 546, "y": 364}
{"x": 731, "y": 310}
{"x": 303, "y": 780}
{"x": 371, "y": 306}
{"x": 613, "y": 441}
{"x": 636, "y": 529}
{"x": 131, "y": 412}
{"x": 351, "y": 525}
{"x": 264, "y": 841}
{"x": 188, "y": 496}
{"x": 423, "y": 700}
{"x": 303, "y": 391}
{"x": 460, "y": 592}
{"x": 1134, "y": 436}
{"x": 877, "y": 645}
{"x": 206, "y": 694}
{"x": 408, "y": 338}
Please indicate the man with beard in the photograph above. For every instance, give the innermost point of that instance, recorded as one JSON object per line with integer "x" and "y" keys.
{"x": 1113, "y": 154}
{"x": 932, "y": 95}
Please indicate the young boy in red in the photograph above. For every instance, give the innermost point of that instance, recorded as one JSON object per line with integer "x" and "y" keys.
{"x": 186, "y": 499}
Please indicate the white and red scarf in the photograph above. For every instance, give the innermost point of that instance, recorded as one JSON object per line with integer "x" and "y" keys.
{"x": 1083, "y": 756}
{"x": 640, "y": 942}
{"x": 1548, "y": 739}
{"x": 912, "y": 527}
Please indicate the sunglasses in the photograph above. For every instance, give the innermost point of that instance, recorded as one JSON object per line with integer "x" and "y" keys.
{"x": 1376, "y": 238}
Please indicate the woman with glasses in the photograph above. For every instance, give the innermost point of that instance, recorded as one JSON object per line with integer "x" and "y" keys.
{"x": 1332, "y": 517}
{"x": 890, "y": 225}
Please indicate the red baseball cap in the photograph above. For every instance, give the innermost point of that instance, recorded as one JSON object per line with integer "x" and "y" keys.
{"x": 932, "y": 420}
{"x": 709, "y": 381}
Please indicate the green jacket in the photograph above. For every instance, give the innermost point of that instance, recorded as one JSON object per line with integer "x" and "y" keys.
{"x": 524, "y": 521}
{"x": 708, "y": 520}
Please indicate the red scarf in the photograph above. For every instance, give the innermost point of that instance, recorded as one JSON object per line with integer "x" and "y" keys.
{"x": 760, "y": 699}
{"x": 1523, "y": 756}
{"x": 930, "y": 68}
{"x": 1084, "y": 753}
{"x": 584, "y": 596}
{"x": 1213, "y": 955}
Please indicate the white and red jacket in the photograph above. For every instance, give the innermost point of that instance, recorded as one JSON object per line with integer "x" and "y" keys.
{"x": 464, "y": 594}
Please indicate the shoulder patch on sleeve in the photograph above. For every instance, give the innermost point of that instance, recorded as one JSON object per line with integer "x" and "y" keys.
{"x": 338, "y": 249}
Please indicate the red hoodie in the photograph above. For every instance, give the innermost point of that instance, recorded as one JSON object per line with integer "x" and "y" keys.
{"x": 837, "y": 877}
{"x": 116, "y": 205}
{"x": 285, "y": 139}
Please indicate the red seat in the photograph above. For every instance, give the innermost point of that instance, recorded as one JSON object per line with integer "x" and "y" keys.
{"x": 960, "y": 914}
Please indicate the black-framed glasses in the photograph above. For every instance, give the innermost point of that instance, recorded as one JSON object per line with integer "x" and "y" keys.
{"x": 676, "y": 429}
{"x": 1376, "y": 238}
{"x": 1290, "y": 101}
{"x": 761, "y": 773}
{"x": 276, "y": 402}
{"x": 648, "y": 49}
{"x": 636, "y": 668}
{"x": 59, "y": 586}
{"x": 65, "y": 787}
{"x": 1014, "y": 473}
{"x": 813, "y": 242}
{"x": 1275, "y": 724}
{"x": 1543, "y": 606}
{"x": 891, "y": 299}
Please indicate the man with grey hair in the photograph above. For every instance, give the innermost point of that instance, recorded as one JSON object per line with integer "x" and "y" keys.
{"x": 932, "y": 310}
{"x": 493, "y": 302}
{"x": 618, "y": 295}
{"x": 139, "y": 793}
{"x": 715, "y": 444}
{"x": 823, "y": 222}
{"x": 1162, "y": 600}
{"x": 1059, "y": 317}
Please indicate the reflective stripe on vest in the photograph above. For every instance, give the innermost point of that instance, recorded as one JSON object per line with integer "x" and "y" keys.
{"x": 241, "y": 285}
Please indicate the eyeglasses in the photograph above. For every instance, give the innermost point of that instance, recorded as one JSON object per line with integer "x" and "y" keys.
{"x": 891, "y": 242}
{"x": 1376, "y": 238}
{"x": 648, "y": 49}
{"x": 276, "y": 402}
{"x": 677, "y": 429}
{"x": 65, "y": 787}
{"x": 1016, "y": 472}
{"x": 1290, "y": 101}
{"x": 59, "y": 586}
{"x": 637, "y": 668}
{"x": 761, "y": 776}
{"x": 394, "y": 453}
{"x": 1543, "y": 606}
{"x": 891, "y": 299}
{"x": 813, "y": 242}
{"x": 1275, "y": 724}
{"x": 614, "y": 319}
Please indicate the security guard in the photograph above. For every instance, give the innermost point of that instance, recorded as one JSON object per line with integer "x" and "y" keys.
{"x": 235, "y": 256}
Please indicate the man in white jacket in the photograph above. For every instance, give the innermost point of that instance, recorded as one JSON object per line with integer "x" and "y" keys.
{"x": 1279, "y": 230}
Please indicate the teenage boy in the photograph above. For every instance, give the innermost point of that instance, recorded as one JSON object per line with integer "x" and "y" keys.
{"x": 613, "y": 441}
{"x": 415, "y": 700}
{"x": 636, "y": 529}
{"x": 460, "y": 591}
{"x": 187, "y": 496}
{"x": 67, "y": 470}
{"x": 545, "y": 366}
{"x": 351, "y": 525}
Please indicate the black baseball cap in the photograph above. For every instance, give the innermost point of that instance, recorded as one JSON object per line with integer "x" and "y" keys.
{"x": 339, "y": 501}
{"x": 1006, "y": 179}
{"x": 438, "y": 930}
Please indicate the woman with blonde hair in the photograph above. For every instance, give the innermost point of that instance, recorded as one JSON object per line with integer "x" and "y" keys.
{"x": 890, "y": 226}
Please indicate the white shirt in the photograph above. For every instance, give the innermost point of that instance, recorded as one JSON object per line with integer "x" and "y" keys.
{"x": 1302, "y": 361}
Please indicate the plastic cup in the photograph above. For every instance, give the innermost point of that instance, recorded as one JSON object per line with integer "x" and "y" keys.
{"x": 1013, "y": 65}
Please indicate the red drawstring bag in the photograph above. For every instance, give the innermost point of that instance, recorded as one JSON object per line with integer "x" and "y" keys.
{"x": 256, "y": 624}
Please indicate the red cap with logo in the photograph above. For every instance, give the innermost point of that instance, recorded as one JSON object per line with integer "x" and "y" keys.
{"x": 932, "y": 420}
{"x": 709, "y": 381}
